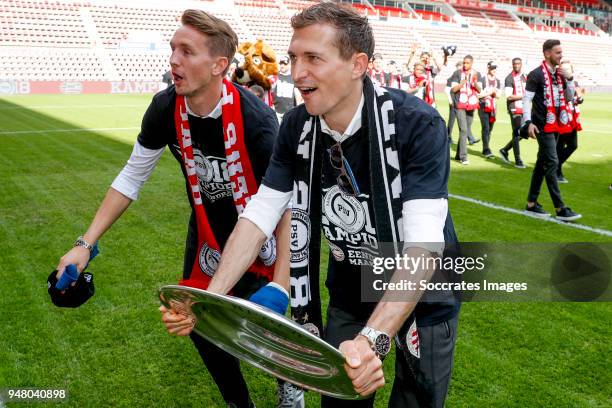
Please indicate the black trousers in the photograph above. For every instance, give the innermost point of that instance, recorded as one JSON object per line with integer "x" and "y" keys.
{"x": 415, "y": 386}
{"x": 223, "y": 367}
{"x": 225, "y": 371}
{"x": 546, "y": 168}
{"x": 567, "y": 144}
{"x": 514, "y": 142}
{"x": 452, "y": 116}
{"x": 486, "y": 129}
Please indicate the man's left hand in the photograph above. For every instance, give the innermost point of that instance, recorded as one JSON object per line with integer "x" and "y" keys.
{"x": 362, "y": 365}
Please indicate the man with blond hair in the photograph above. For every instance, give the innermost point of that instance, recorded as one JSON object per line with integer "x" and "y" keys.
{"x": 221, "y": 136}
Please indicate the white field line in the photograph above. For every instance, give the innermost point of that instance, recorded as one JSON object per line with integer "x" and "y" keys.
{"x": 456, "y": 196}
{"x": 32, "y": 107}
{"x": 587, "y": 128}
{"x": 27, "y": 132}
{"x": 519, "y": 212}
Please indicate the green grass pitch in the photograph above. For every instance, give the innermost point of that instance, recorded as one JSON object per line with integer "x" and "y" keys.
{"x": 59, "y": 154}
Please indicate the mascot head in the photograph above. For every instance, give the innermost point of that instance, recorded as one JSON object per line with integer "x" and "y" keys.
{"x": 256, "y": 63}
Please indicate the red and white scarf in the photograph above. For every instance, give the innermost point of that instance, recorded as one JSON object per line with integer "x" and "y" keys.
{"x": 573, "y": 105}
{"x": 242, "y": 180}
{"x": 268, "y": 95}
{"x": 395, "y": 81}
{"x": 518, "y": 89}
{"x": 489, "y": 101}
{"x": 555, "y": 123}
{"x": 414, "y": 81}
{"x": 574, "y": 113}
{"x": 378, "y": 77}
{"x": 576, "y": 123}
{"x": 430, "y": 97}
{"x": 468, "y": 96}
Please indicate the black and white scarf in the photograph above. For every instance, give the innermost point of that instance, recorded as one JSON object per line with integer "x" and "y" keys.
{"x": 379, "y": 122}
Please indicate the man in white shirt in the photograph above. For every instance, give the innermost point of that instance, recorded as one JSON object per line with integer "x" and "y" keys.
{"x": 191, "y": 118}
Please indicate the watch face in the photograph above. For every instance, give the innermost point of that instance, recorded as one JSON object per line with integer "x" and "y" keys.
{"x": 382, "y": 344}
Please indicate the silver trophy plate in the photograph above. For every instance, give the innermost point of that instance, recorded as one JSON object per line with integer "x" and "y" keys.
{"x": 263, "y": 339}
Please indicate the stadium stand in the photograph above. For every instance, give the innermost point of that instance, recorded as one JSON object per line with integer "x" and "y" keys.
{"x": 475, "y": 16}
{"x": 114, "y": 22}
{"x": 598, "y": 4}
{"x": 386, "y": 34}
{"x": 502, "y": 19}
{"x": 257, "y": 3}
{"x": 33, "y": 23}
{"x": 560, "y": 5}
{"x": 38, "y": 64}
{"x": 132, "y": 66}
{"x": 297, "y": 4}
{"x": 392, "y": 12}
{"x": 275, "y": 29}
{"x": 432, "y": 15}
{"x": 517, "y": 2}
{"x": 113, "y": 40}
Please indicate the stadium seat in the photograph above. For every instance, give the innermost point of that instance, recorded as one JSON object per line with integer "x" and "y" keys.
{"x": 68, "y": 40}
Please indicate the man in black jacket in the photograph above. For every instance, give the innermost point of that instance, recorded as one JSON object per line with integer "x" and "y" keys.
{"x": 338, "y": 159}
{"x": 545, "y": 115}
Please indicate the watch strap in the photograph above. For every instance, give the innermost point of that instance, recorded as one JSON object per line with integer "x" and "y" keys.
{"x": 80, "y": 241}
{"x": 373, "y": 334}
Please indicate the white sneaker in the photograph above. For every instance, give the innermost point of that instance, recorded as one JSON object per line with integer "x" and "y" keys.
{"x": 289, "y": 396}
{"x": 465, "y": 162}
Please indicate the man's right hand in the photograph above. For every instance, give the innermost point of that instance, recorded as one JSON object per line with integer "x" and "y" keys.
{"x": 362, "y": 366}
{"x": 177, "y": 323}
{"x": 78, "y": 256}
{"x": 532, "y": 131}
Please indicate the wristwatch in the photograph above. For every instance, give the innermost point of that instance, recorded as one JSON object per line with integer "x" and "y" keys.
{"x": 380, "y": 341}
{"x": 81, "y": 242}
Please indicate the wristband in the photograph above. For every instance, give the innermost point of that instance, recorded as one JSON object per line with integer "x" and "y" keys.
{"x": 81, "y": 242}
{"x": 273, "y": 297}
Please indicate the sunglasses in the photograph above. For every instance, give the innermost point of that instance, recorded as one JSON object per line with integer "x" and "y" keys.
{"x": 346, "y": 180}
